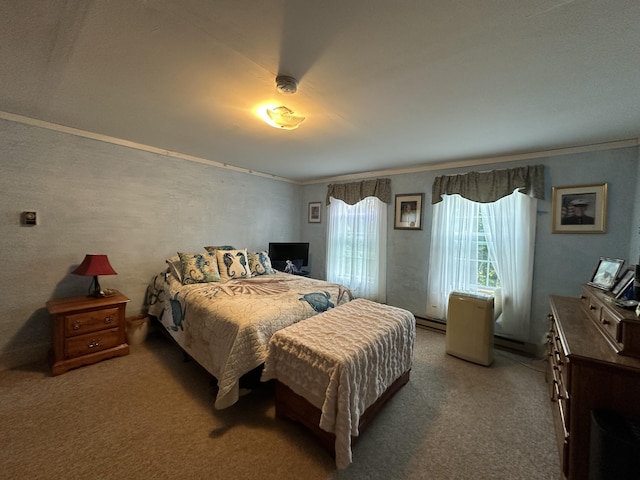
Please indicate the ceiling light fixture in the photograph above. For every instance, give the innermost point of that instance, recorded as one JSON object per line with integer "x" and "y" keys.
{"x": 283, "y": 117}
{"x": 286, "y": 84}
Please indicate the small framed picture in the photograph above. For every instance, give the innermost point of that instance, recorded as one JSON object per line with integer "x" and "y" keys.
{"x": 315, "y": 212}
{"x": 408, "y": 212}
{"x": 621, "y": 285}
{"x": 606, "y": 273}
{"x": 579, "y": 209}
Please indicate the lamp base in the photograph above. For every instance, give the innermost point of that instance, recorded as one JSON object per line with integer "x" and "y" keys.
{"x": 95, "y": 291}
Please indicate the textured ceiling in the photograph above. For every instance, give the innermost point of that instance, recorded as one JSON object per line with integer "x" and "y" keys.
{"x": 384, "y": 84}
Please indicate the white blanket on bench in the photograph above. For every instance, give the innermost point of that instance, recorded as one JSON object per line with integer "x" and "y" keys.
{"x": 341, "y": 361}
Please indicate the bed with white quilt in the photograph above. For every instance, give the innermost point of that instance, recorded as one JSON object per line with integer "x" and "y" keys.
{"x": 336, "y": 370}
{"x": 223, "y": 305}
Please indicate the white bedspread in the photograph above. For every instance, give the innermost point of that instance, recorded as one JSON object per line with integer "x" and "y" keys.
{"x": 226, "y": 326}
{"x": 341, "y": 361}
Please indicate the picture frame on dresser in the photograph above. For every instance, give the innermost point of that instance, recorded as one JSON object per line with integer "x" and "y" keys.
{"x": 623, "y": 283}
{"x": 606, "y": 272}
{"x": 579, "y": 208}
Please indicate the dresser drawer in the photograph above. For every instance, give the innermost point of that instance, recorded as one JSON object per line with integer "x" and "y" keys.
{"x": 592, "y": 305}
{"x": 91, "y": 321}
{"x": 91, "y": 343}
{"x": 611, "y": 324}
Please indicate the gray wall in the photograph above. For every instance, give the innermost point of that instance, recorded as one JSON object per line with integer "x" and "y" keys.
{"x": 562, "y": 261}
{"x": 140, "y": 208}
{"x": 137, "y": 207}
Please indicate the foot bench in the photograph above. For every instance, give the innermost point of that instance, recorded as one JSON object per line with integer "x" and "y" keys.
{"x": 335, "y": 370}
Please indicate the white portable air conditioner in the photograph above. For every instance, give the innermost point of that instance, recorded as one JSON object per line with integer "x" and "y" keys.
{"x": 469, "y": 333}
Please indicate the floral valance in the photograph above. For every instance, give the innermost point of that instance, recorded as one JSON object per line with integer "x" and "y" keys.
{"x": 487, "y": 187}
{"x": 352, "y": 193}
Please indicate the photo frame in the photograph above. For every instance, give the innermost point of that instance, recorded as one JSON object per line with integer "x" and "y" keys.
{"x": 623, "y": 283}
{"x": 315, "y": 212}
{"x": 408, "y": 211}
{"x": 579, "y": 209}
{"x": 606, "y": 272}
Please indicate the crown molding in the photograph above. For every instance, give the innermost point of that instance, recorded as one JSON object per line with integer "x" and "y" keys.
{"x": 632, "y": 142}
{"x": 137, "y": 146}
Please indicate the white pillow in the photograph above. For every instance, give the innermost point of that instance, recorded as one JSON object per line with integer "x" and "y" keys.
{"x": 233, "y": 264}
{"x": 175, "y": 267}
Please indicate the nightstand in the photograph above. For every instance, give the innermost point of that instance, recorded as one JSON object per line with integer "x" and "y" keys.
{"x": 87, "y": 330}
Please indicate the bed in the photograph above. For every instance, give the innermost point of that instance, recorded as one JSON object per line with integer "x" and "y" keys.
{"x": 225, "y": 322}
{"x": 336, "y": 370}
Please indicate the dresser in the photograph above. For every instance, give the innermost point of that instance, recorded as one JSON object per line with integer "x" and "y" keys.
{"x": 594, "y": 363}
{"x": 87, "y": 330}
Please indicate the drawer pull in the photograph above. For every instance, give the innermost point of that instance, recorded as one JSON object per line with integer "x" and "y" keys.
{"x": 108, "y": 319}
{"x": 556, "y": 386}
{"x": 76, "y": 326}
{"x": 93, "y": 343}
{"x": 591, "y": 307}
{"x": 558, "y": 358}
{"x": 605, "y": 321}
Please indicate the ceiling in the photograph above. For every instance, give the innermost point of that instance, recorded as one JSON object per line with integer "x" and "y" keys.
{"x": 384, "y": 84}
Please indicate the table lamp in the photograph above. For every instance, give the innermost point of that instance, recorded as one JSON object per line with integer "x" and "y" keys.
{"x": 92, "y": 266}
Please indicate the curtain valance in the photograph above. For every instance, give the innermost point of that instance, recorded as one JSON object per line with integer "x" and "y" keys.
{"x": 352, "y": 193}
{"x": 487, "y": 187}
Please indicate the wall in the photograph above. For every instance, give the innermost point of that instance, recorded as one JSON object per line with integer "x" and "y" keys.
{"x": 562, "y": 261}
{"x": 140, "y": 207}
{"x": 634, "y": 243}
{"x": 137, "y": 207}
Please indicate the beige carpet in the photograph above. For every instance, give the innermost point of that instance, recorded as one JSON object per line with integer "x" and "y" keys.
{"x": 150, "y": 415}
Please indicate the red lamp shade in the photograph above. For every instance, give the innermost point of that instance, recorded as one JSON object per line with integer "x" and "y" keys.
{"x": 92, "y": 266}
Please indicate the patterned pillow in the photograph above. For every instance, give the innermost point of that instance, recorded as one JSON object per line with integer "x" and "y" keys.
{"x": 233, "y": 264}
{"x": 219, "y": 247}
{"x": 260, "y": 263}
{"x": 199, "y": 268}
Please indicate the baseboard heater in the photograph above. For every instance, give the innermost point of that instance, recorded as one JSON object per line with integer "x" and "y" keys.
{"x": 503, "y": 343}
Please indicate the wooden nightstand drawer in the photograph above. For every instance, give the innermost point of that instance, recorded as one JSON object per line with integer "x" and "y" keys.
{"x": 80, "y": 323}
{"x": 91, "y": 343}
{"x": 87, "y": 330}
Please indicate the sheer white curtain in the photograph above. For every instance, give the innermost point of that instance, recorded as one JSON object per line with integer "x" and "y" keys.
{"x": 451, "y": 252}
{"x": 357, "y": 247}
{"x": 509, "y": 225}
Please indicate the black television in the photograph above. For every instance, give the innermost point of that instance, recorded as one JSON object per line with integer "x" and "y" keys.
{"x": 297, "y": 252}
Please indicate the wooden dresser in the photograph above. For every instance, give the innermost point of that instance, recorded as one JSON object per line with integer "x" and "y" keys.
{"x": 87, "y": 330}
{"x": 594, "y": 363}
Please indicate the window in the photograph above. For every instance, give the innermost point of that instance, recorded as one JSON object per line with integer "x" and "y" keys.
{"x": 486, "y": 276}
{"x": 356, "y": 247}
{"x": 479, "y": 247}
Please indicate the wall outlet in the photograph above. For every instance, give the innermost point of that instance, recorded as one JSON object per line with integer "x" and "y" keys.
{"x": 29, "y": 218}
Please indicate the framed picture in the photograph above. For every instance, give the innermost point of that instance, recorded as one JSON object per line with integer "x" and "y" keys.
{"x": 606, "y": 273}
{"x": 408, "y": 212}
{"x": 315, "y": 212}
{"x": 621, "y": 285}
{"x": 579, "y": 209}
